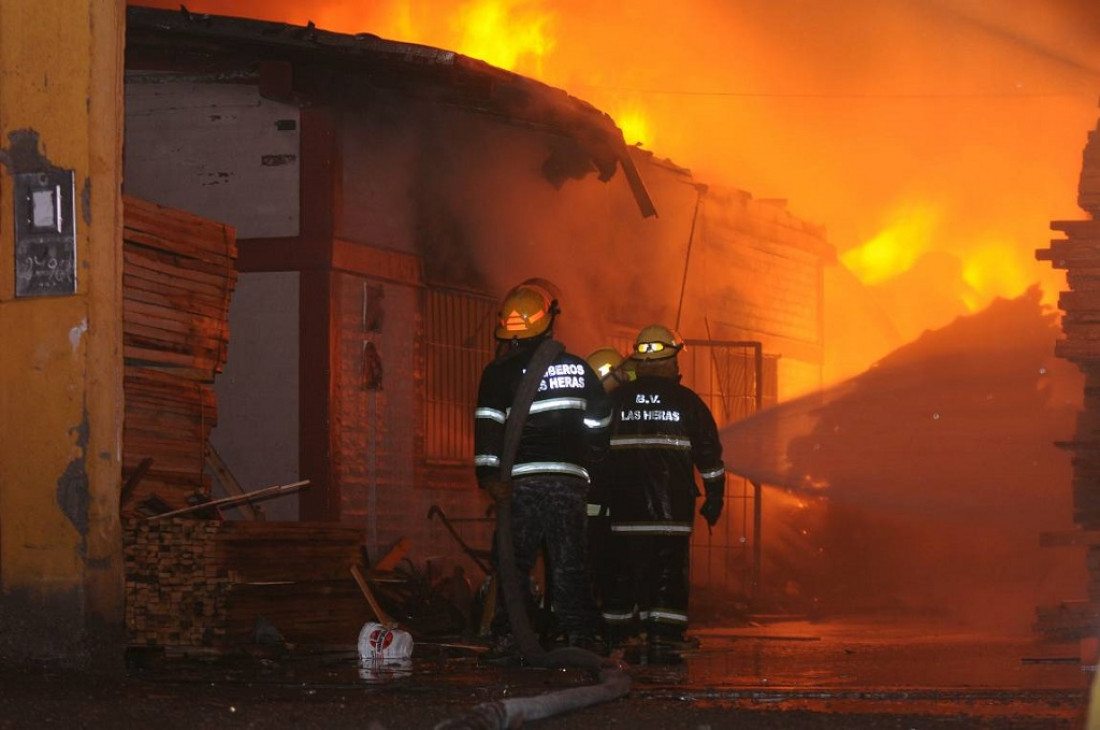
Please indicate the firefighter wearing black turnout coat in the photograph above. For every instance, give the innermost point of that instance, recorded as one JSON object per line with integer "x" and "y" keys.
{"x": 661, "y": 433}
{"x": 564, "y": 431}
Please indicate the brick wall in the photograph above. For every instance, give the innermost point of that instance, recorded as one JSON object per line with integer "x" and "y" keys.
{"x": 385, "y": 485}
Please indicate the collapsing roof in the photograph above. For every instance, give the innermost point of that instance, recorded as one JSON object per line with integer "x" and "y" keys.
{"x": 308, "y": 66}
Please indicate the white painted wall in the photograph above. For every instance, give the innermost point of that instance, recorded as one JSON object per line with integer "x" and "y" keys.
{"x": 257, "y": 432}
{"x": 216, "y": 150}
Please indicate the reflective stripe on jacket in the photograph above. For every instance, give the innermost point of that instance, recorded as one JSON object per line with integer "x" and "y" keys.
{"x": 661, "y": 433}
{"x": 565, "y": 429}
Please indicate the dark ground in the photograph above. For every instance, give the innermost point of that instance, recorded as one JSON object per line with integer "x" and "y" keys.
{"x": 792, "y": 676}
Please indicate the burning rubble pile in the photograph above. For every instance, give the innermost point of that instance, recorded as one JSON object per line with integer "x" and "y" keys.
{"x": 921, "y": 486}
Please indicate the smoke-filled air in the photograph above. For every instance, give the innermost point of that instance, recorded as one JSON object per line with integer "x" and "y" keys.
{"x": 922, "y": 484}
{"x": 934, "y": 140}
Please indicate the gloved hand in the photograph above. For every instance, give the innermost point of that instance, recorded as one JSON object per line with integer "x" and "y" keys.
{"x": 499, "y": 490}
{"x": 711, "y": 509}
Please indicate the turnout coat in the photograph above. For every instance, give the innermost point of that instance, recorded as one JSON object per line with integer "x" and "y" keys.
{"x": 661, "y": 432}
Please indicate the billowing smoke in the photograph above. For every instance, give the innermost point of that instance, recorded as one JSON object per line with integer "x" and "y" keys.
{"x": 935, "y": 140}
{"x": 924, "y": 483}
{"x": 939, "y": 137}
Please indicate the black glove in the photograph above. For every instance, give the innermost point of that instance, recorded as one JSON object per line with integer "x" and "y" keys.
{"x": 711, "y": 509}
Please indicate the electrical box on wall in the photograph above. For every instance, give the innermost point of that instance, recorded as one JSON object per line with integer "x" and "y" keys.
{"x": 45, "y": 233}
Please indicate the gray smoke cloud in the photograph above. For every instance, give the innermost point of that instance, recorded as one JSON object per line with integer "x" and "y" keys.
{"x": 930, "y": 476}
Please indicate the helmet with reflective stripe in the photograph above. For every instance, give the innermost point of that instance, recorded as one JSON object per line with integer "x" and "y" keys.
{"x": 527, "y": 311}
{"x": 656, "y": 342}
{"x": 604, "y": 361}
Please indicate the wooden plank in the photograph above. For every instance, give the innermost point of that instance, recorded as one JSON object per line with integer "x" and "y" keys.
{"x": 223, "y": 268}
{"x": 383, "y": 618}
{"x": 206, "y": 366}
{"x": 265, "y": 493}
{"x": 152, "y": 313}
{"x": 304, "y": 531}
{"x": 179, "y": 299}
{"x": 205, "y": 292}
{"x": 218, "y": 276}
{"x": 1070, "y": 538}
{"x": 395, "y": 555}
{"x": 1081, "y": 331}
{"x": 178, "y": 254}
{"x": 207, "y": 362}
{"x": 1077, "y": 229}
{"x": 178, "y": 228}
{"x": 1077, "y": 350}
{"x": 1070, "y": 301}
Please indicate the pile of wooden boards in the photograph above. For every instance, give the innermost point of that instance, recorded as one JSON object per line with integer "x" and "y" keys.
{"x": 1078, "y": 253}
{"x": 209, "y": 585}
{"x": 178, "y": 275}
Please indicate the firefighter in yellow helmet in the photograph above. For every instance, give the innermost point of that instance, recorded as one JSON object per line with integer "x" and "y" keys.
{"x": 546, "y": 477}
{"x": 613, "y": 370}
{"x": 662, "y": 433}
{"x": 611, "y": 366}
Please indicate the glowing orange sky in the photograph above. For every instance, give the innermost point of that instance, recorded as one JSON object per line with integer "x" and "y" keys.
{"x": 906, "y": 127}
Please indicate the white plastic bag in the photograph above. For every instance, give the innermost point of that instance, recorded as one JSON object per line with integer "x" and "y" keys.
{"x": 376, "y": 642}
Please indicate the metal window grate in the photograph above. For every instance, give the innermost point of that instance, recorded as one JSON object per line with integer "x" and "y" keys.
{"x": 458, "y": 342}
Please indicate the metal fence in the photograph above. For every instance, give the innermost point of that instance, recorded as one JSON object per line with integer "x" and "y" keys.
{"x": 735, "y": 379}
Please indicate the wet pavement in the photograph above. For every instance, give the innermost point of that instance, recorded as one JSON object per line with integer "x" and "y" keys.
{"x": 785, "y": 674}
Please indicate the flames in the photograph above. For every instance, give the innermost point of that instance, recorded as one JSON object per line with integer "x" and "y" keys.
{"x": 990, "y": 270}
{"x": 894, "y": 249}
{"x": 634, "y": 123}
{"x": 916, "y": 153}
{"x": 505, "y": 33}
{"x": 989, "y": 265}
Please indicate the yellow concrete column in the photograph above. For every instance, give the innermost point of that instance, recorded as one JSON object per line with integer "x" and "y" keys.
{"x": 61, "y": 573}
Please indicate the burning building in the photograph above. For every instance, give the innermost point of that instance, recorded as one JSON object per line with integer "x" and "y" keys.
{"x": 382, "y": 196}
{"x": 368, "y": 201}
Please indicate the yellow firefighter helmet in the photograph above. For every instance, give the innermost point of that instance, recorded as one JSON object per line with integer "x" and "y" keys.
{"x": 604, "y": 361}
{"x": 656, "y": 342}
{"x": 527, "y": 311}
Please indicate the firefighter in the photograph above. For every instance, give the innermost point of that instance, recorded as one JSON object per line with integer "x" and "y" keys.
{"x": 661, "y": 433}
{"x": 613, "y": 370}
{"x": 565, "y": 429}
{"x": 611, "y": 366}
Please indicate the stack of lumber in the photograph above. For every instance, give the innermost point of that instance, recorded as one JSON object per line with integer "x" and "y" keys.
{"x": 204, "y": 585}
{"x": 1069, "y": 620}
{"x": 178, "y": 274}
{"x": 1077, "y": 619}
{"x": 1078, "y": 253}
{"x": 1088, "y": 185}
{"x": 176, "y": 594}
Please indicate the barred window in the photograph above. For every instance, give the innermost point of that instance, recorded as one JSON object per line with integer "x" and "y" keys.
{"x": 458, "y": 342}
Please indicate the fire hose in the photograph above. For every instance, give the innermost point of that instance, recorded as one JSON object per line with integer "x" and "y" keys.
{"x": 614, "y": 681}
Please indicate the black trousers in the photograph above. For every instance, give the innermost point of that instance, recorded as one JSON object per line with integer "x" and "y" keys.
{"x": 648, "y": 585}
{"x": 550, "y": 511}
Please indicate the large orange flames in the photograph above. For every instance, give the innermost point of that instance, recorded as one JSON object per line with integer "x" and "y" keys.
{"x": 911, "y": 130}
